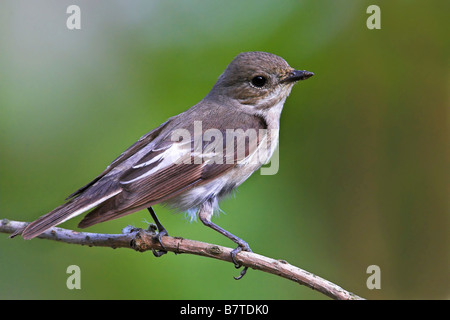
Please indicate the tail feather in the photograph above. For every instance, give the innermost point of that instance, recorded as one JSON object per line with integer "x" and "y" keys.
{"x": 62, "y": 213}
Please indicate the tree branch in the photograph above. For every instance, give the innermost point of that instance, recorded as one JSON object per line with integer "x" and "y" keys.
{"x": 143, "y": 240}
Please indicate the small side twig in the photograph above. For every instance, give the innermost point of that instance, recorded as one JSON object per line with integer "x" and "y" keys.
{"x": 143, "y": 240}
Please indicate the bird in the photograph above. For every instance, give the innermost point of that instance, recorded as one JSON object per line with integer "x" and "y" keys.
{"x": 194, "y": 159}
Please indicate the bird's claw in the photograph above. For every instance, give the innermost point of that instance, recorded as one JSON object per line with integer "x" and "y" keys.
{"x": 158, "y": 237}
{"x": 242, "y": 247}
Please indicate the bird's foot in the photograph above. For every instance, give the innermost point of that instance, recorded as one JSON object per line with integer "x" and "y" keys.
{"x": 243, "y": 246}
{"x": 161, "y": 233}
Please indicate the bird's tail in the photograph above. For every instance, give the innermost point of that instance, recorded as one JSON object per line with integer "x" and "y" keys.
{"x": 70, "y": 209}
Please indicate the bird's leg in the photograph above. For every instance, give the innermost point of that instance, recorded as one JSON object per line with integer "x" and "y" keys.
{"x": 205, "y": 214}
{"x": 161, "y": 232}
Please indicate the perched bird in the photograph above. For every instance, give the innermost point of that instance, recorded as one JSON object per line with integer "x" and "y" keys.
{"x": 195, "y": 158}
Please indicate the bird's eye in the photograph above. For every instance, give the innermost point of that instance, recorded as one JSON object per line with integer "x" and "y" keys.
{"x": 259, "y": 81}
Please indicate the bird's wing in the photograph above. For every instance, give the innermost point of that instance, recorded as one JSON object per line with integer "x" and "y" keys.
{"x": 174, "y": 165}
{"x": 167, "y": 170}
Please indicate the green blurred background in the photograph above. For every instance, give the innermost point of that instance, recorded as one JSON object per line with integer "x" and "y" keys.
{"x": 364, "y": 148}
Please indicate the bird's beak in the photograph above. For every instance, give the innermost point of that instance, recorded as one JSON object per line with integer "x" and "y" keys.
{"x": 297, "y": 75}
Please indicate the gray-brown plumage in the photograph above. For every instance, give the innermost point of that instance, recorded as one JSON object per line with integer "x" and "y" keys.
{"x": 249, "y": 95}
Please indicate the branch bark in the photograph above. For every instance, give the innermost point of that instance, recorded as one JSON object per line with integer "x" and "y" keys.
{"x": 143, "y": 240}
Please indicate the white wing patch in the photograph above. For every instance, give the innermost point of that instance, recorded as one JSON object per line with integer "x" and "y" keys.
{"x": 176, "y": 153}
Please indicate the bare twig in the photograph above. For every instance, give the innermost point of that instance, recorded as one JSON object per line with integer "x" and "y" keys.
{"x": 143, "y": 240}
